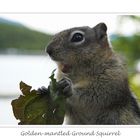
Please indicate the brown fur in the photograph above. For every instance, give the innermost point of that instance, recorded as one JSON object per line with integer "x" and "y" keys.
{"x": 100, "y": 90}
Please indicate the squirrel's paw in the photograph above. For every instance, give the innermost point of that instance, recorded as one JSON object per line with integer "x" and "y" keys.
{"x": 66, "y": 86}
{"x": 42, "y": 90}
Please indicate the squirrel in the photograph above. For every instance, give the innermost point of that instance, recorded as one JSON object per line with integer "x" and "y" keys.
{"x": 95, "y": 76}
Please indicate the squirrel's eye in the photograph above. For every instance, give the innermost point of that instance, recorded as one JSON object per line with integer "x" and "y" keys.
{"x": 77, "y": 37}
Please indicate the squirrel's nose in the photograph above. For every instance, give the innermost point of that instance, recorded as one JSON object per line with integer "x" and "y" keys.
{"x": 49, "y": 50}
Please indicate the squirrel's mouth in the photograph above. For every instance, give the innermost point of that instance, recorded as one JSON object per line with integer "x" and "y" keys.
{"x": 65, "y": 68}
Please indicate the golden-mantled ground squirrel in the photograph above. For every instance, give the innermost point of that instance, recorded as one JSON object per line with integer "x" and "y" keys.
{"x": 95, "y": 76}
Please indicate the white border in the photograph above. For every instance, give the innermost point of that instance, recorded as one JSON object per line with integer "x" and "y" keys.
{"x": 121, "y": 7}
{"x": 70, "y": 6}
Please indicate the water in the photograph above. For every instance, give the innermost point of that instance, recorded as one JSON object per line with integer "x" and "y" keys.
{"x": 7, "y": 117}
{"x": 33, "y": 70}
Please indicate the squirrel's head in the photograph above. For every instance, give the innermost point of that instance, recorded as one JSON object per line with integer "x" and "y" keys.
{"x": 78, "y": 45}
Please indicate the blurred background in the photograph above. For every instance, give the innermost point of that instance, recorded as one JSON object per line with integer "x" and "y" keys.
{"x": 23, "y": 38}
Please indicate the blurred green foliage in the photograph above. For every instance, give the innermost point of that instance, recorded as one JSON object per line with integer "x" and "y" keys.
{"x": 22, "y": 38}
{"x": 129, "y": 47}
{"x": 135, "y": 88}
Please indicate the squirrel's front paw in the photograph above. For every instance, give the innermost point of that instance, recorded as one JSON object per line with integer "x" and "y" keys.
{"x": 66, "y": 86}
{"x": 42, "y": 90}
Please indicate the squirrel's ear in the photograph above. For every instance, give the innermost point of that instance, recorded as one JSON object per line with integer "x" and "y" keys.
{"x": 100, "y": 30}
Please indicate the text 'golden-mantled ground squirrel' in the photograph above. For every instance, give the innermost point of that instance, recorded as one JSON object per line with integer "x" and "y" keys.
{"x": 95, "y": 76}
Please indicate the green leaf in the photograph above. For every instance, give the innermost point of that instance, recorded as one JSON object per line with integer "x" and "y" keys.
{"x": 29, "y": 106}
{"x": 33, "y": 108}
{"x": 53, "y": 86}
